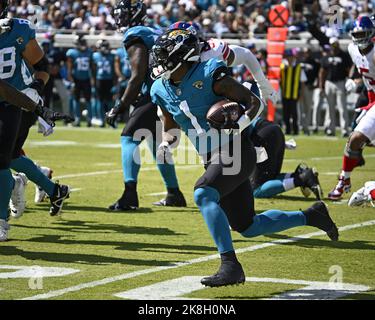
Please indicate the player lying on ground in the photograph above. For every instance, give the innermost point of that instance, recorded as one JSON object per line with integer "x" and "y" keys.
{"x": 18, "y": 47}
{"x": 138, "y": 41}
{"x": 266, "y": 179}
{"x": 362, "y": 52}
{"x": 185, "y": 92}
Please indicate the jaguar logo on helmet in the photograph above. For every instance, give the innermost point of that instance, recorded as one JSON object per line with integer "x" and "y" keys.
{"x": 198, "y": 84}
{"x": 171, "y": 50}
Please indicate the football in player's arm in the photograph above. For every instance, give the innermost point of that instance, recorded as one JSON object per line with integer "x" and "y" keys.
{"x": 223, "y": 199}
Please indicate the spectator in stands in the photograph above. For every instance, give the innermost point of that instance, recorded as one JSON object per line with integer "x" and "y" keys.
{"x": 334, "y": 69}
{"x": 221, "y": 26}
{"x": 261, "y": 27}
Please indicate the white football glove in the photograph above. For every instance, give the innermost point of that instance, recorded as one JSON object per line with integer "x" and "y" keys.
{"x": 5, "y": 25}
{"x": 164, "y": 153}
{"x": 267, "y": 92}
{"x": 350, "y": 85}
{"x": 33, "y": 95}
{"x": 44, "y": 127}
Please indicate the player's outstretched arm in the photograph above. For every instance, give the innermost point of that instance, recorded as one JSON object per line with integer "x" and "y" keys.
{"x": 238, "y": 56}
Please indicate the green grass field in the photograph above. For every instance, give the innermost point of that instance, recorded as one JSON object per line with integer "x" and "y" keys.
{"x": 132, "y": 254}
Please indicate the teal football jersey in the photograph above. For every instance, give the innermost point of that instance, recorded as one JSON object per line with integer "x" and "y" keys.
{"x": 190, "y": 101}
{"x": 148, "y": 36}
{"x": 104, "y": 65}
{"x": 81, "y": 63}
{"x": 13, "y": 68}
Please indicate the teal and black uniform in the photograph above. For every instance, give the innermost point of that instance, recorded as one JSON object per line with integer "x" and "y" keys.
{"x": 81, "y": 74}
{"x": 223, "y": 193}
{"x": 105, "y": 71}
{"x": 144, "y": 117}
{"x": 15, "y": 123}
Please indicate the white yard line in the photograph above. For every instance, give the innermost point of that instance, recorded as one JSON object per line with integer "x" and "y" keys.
{"x": 98, "y": 173}
{"x": 178, "y": 288}
{"x": 93, "y": 284}
{"x": 157, "y": 194}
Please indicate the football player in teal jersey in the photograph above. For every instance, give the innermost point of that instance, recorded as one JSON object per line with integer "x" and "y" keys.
{"x": 185, "y": 91}
{"x": 79, "y": 63}
{"x": 19, "y": 48}
{"x": 104, "y": 74}
{"x": 138, "y": 40}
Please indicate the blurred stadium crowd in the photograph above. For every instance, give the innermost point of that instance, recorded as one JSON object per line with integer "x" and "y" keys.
{"x": 247, "y": 18}
{"x": 241, "y": 19}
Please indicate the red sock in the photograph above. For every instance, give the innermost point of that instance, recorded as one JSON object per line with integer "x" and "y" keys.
{"x": 348, "y": 164}
{"x": 372, "y": 194}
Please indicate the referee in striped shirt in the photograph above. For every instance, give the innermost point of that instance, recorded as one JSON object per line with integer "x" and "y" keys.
{"x": 292, "y": 79}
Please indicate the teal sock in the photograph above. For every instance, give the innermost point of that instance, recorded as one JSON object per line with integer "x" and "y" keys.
{"x": 273, "y": 221}
{"x": 32, "y": 172}
{"x": 131, "y": 162}
{"x": 207, "y": 199}
{"x": 269, "y": 189}
{"x": 6, "y": 187}
{"x": 167, "y": 171}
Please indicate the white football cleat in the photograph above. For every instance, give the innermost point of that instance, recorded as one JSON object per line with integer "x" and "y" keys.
{"x": 362, "y": 196}
{"x": 4, "y": 228}
{"x": 17, "y": 201}
{"x": 40, "y": 194}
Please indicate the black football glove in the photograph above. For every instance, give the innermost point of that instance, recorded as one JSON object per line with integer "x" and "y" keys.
{"x": 164, "y": 154}
{"x": 38, "y": 85}
{"x": 51, "y": 116}
{"x": 111, "y": 115}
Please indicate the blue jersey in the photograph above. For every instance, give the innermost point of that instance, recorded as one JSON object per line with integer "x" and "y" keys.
{"x": 148, "y": 36}
{"x": 104, "y": 65}
{"x": 81, "y": 63}
{"x": 13, "y": 68}
{"x": 190, "y": 101}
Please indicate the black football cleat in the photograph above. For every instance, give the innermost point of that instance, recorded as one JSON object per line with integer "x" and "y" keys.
{"x": 300, "y": 168}
{"x": 176, "y": 199}
{"x": 309, "y": 180}
{"x": 318, "y": 216}
{"x": 230, "y": 273}
{"x": 127, "y": 202}
{"x": 60, "y": 193}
